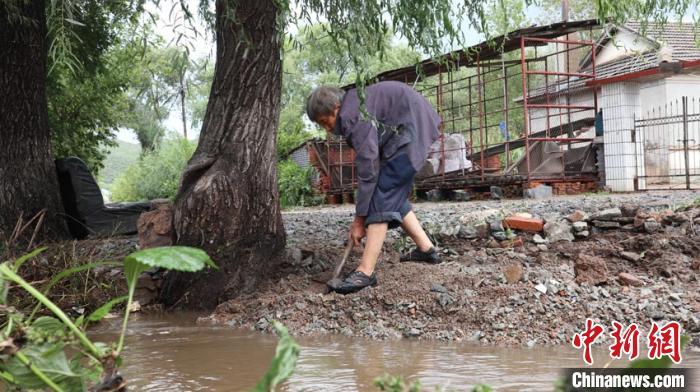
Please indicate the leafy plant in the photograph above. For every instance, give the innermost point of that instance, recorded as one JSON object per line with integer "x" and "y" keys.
{"x": 392, "y": 383}
{"x": 155, "y": 175}
{"x": 295, "y": 185}
{"x": 282, "y": 365}
{"x": 54, "y": 352}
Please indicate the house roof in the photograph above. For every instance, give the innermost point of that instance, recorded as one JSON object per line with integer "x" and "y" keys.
{"x": 680, "y": 38}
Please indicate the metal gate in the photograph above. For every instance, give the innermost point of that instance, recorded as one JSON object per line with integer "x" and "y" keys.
{"x": 668, "y": 152}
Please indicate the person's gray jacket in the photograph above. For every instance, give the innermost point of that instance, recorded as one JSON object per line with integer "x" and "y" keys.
{"x": 400, "y": 118}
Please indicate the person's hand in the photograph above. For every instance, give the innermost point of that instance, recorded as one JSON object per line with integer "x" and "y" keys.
{"x": 357, "y": 230}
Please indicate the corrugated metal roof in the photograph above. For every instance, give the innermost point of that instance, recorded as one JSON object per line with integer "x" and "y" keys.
{"x": 487, "y": 50}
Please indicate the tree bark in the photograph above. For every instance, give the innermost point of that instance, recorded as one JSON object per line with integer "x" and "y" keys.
{"x": 28, "y": 179}
{"x": 228, "y": 202}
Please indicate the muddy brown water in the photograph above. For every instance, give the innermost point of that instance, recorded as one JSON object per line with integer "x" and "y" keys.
{"x": 173, "y": 353}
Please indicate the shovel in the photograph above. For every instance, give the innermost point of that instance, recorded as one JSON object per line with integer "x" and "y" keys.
{"x": 336, "y": 281}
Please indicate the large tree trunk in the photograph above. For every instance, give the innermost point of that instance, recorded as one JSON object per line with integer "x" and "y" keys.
{"x": 28, "y": 179}
{"x": 228, "y": 202}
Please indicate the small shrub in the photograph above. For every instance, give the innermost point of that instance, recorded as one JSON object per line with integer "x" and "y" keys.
{"x": 155, "y": 175}
{"x": 295, "y": 185}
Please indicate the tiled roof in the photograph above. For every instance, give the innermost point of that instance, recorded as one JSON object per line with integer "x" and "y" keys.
{"x": 682, "y": 38}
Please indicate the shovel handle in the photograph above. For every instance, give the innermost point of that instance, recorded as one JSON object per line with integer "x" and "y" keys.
{"x": 346, "y": 254}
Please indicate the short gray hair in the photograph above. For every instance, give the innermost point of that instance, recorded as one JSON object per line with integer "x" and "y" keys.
{"x": 322, "y": 101}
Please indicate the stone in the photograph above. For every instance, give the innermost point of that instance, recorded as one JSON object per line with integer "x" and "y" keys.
{"x": 155, "y": 228}
{"x": 537, "y": 239}
{"x": 582, "y": 234}
{"x": 539, "y": 192}
{"x": 478, "y": 217}
{"x": 607, "y": 214}
{"x": 558, "y": 231}
{"x": 631, "y": 256}
{"x": 590, "y": 269}
{"x": 496, "y": 192}
{"x": 444, "y": 299}
{"x": 577, "y": 216}
{"x": 629, "y": 210}
{"x": 413, "y": 333}
{"x": 524, "y": 214}
{"x": 438, "y": 288}
{"x": 467, "y": 232}
{"x": 434, "y": 195}
{"x": 461, "y": 195}
{"x": 515, "y": 222}
{"x": 580, "y": 226}
{"x": 541, "y": 288}
{"x": 500, "y": 235}
{"x": 296, "y": 256}
{"x": 483, "y": 230}
{"x": 135, "y": 306}
{"x": 628, "y": 279}
{"x": 603, "y": 224}
{"x": 542, "y": 247}
{"x": 496, "y": 224}
{"x": 513, "y": 273}
{"x": 651, "y": 226}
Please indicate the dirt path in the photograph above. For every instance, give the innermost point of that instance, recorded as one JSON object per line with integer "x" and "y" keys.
{"x": 469, "y": 297}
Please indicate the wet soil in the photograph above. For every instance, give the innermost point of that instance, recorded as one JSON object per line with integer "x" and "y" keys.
{"x": 468, "y": 297}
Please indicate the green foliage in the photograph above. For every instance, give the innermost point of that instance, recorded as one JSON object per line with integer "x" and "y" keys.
{"x": 117, "y": 160}
{"x": 54, "y": 352}
{"x": 391, "y": 383}
{"x": 155, "y": 175}
{"x": 295, "y": 185}
{"x": 283, "y": 363}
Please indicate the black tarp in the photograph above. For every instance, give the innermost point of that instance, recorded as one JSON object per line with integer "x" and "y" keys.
{"x": 86, "y": 212}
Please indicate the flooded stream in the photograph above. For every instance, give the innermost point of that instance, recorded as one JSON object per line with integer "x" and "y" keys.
{"x": 172, "y": 353}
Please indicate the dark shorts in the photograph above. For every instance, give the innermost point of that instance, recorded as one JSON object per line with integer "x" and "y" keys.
{"x": 389, "y": 201}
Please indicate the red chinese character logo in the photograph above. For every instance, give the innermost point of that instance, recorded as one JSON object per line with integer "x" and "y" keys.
{"x": 665, "y": 341}
{"x": 587, "y": 338}
{"x": 626, "y": 341}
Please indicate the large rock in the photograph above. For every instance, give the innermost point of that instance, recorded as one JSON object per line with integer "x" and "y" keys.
{"x": 558, "y": 230}
{"x": 513, "y": 273}
{"x": 156, "y": 227}
{"x": 539, "y": 192}
{"x": 607, "y": 214}
{"x": 590, "y": 269}
{"x": 629, "y": 279}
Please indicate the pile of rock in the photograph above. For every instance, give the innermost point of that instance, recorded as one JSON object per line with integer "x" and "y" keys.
{"x": 558, "y": 226}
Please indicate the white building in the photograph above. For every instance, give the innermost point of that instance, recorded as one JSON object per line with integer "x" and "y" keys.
{"x": 638, "y": 75}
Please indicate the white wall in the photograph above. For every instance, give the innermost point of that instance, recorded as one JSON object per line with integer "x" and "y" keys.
{"x": 620, "y": 102}
{"x": 624, "y": 43}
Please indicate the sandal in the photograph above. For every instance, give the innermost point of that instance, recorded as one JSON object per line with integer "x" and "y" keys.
{"x": 431, "y": 256}
{"x": 356, "y": 281}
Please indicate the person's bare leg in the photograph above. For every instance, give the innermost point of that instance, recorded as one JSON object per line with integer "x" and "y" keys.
{"x": 376, "y": 233}
{"x": 415, "y": 231}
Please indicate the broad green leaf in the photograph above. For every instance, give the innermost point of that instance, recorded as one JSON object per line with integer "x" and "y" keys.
{"x": 102, "y": 311}
{"x": 284, "y": 362}
{"x": 179, "y": 258}
{"x": 48, "y": 325}
{"x": 51, "y": 360}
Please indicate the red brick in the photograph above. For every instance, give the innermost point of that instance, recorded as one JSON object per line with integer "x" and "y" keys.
{"x": 525, "y": 224}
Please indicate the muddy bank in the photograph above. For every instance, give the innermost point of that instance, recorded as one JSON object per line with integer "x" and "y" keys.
{"x": 495, "y": 286}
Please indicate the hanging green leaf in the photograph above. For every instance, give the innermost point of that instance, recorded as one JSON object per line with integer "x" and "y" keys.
{"x": 284, "y": 362}
{"x": 178, "y": 258}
